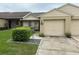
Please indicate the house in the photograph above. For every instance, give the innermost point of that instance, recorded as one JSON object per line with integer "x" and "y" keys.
{"x": 60, "y": 21}
{"x": 32, "y": 20}
{"x": 11, "y": 19}
{"x": 57, "y": 22}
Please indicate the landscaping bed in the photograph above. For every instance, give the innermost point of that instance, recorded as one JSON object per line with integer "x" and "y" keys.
{"x": 8, "y": 48}
{"x": 31, "y": 41}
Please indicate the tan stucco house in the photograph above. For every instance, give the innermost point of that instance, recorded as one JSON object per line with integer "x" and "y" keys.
{"x": 60, "y": 21}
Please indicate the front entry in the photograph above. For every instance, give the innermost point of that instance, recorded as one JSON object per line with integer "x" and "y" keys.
{"x": 33, "y": 24}
{"x": 13, "y": 23}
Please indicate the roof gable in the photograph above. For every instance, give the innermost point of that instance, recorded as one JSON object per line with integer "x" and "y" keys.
{"x": 71, "y": 9}
{"x": 30, "y": 17}
{"x": 54, "y": 12}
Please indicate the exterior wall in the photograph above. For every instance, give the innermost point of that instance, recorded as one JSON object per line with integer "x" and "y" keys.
{"x": 41, "y": 25}
{"x": 3, "y": 22}
{"x": 68, "y": 25}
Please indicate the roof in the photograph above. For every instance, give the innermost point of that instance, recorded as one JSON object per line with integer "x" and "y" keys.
{"x": 58, "y": 9}
{"x": 70, "y": 9}
{"x": 55, "y": 12}
{"x": 11, "y": 15}
{"x": 34, "y": 14}
{"x": 69, "y": 4}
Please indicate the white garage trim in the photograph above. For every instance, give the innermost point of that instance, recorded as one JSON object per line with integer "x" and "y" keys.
{"x": 54, "y": 27}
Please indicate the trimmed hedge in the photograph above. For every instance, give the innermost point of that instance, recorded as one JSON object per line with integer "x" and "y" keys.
{"x": 21, "y": 33}
{"x": 3, "y": 28}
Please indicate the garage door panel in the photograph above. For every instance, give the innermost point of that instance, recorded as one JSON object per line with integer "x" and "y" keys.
{"x": 75, "y": 27}
{"x": 54, "y": 27}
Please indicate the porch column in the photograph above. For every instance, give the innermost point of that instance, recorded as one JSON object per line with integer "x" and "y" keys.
{"x": 68, "y": 25}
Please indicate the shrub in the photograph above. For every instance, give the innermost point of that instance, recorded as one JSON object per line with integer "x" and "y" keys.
{"x": 21, "y": 33}
{"x": 68, "y": 35}
{"x": 41, "y": 35}
{"x": 3, "y": 28}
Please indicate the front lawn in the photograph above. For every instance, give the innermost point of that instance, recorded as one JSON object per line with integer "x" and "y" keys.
{"x": 8, "y": 48}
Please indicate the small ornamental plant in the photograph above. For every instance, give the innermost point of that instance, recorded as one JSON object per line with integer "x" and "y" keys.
{"x": 68, "y": 35}
{"x": 21, "y": 34}
{"x": 41, "y": 35}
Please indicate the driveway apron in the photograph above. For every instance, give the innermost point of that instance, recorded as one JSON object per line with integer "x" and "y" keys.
{"x": 58, "y": 46}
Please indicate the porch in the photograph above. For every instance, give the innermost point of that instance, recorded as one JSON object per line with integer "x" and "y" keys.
{"x": 13, "y": 23}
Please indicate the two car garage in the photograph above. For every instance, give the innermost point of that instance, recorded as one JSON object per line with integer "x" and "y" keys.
{"x": 56, "y": 27}
{"x": 61, "y": 21}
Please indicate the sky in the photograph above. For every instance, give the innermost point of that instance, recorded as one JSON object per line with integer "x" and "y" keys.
{"x": 33, "y": 7}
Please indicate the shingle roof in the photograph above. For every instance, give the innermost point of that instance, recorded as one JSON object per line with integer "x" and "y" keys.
{"x": 36, "y": 14}
{"x": 7, "y": 15}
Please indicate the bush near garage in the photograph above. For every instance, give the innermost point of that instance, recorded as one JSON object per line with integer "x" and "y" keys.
{"x": 21, "y": 34}
{"x": 68, "y": 35}
{"x": 41, "y": 35}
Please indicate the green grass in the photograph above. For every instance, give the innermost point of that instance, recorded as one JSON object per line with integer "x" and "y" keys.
{"x": 8, "y": 48}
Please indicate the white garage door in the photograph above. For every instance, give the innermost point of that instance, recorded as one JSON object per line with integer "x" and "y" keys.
{"x": 75, "y": 27}
{"x": 54, "y": 28}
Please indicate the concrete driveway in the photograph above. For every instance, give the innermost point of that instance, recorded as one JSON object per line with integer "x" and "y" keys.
{"x": 58, "y": 46}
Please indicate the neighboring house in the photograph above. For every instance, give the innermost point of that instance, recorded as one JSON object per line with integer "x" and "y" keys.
{"x": 11, "y": 19}
{"x": 60, "y": 21}
{"x": 32, "y": 20}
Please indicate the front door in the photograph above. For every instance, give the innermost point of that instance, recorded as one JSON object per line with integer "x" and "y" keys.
{"x": 9, "y": 22}
{"x": 13, "y": 23}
